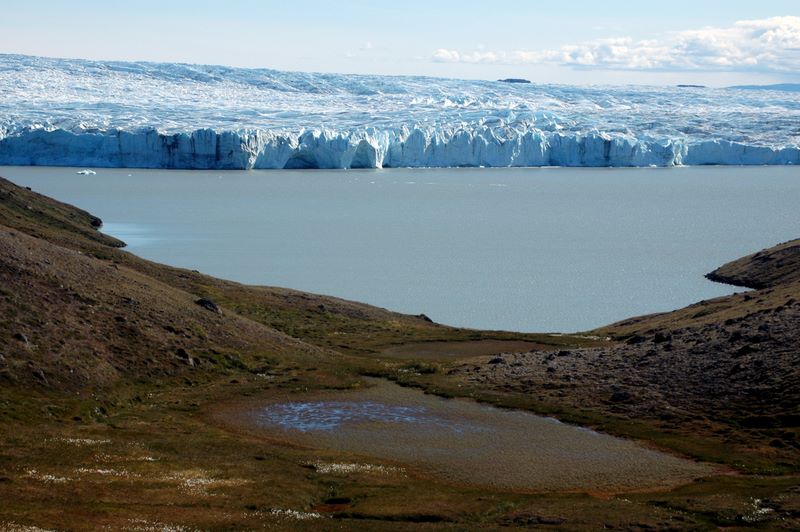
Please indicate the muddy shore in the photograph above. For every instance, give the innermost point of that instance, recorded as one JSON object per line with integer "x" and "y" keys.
{"x": 461, "y": 441}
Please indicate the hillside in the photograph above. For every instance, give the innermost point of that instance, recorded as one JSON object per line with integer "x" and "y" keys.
{"x": 767, "y": 268}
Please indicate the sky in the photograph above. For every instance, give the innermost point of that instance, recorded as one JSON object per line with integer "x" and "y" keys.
{"x": 707, "y": 42}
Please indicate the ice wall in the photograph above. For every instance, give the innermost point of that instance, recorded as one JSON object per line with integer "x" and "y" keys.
{"x": 90, "y": 113}
{"x": 207, "y": 149}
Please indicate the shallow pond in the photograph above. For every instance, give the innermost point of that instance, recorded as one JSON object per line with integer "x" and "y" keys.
{"x": 462, "y": 441}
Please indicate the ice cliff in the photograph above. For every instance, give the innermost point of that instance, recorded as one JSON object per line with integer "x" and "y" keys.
{"x": 89, "y": 113}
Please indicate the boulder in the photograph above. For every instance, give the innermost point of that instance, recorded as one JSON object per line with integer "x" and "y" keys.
{"x": 621, "y": 396}
{"x": 208, "y": 305}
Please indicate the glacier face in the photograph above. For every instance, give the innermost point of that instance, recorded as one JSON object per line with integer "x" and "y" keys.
{"x": 149, "y": 115}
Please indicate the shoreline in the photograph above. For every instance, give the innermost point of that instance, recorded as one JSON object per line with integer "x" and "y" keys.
{"x": 225, "y": 170}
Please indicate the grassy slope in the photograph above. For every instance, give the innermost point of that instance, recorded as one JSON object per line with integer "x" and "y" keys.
{"x": 108, "y": 368}
{"x": 778, "y": 265}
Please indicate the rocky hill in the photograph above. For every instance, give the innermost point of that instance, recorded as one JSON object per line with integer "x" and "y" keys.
{"x": 767, "y": 268}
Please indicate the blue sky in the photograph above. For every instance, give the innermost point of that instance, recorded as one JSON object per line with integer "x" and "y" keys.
{"x": 584, "y": 42}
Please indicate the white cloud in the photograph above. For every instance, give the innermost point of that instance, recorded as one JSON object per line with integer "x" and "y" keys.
{"x": 481, "y": 56}
{"x": 446, "y": 56}
{"x": 771, "y": 44}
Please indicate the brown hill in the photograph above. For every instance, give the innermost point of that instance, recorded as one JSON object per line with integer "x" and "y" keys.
{"x": 769, "y": 267}
{"x": 72, "y": 321}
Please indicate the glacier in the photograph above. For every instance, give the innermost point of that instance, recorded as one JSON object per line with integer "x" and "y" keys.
{"x": 61, "y": 112}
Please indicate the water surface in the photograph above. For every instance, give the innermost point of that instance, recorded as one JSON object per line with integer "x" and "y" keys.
{"x": 465, "y": 442}
{"x": 559, "y": 249}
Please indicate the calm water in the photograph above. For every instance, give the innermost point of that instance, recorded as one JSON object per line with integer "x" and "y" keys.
{"x": 465, "y": 441}
{"x": 558, "y": 249}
